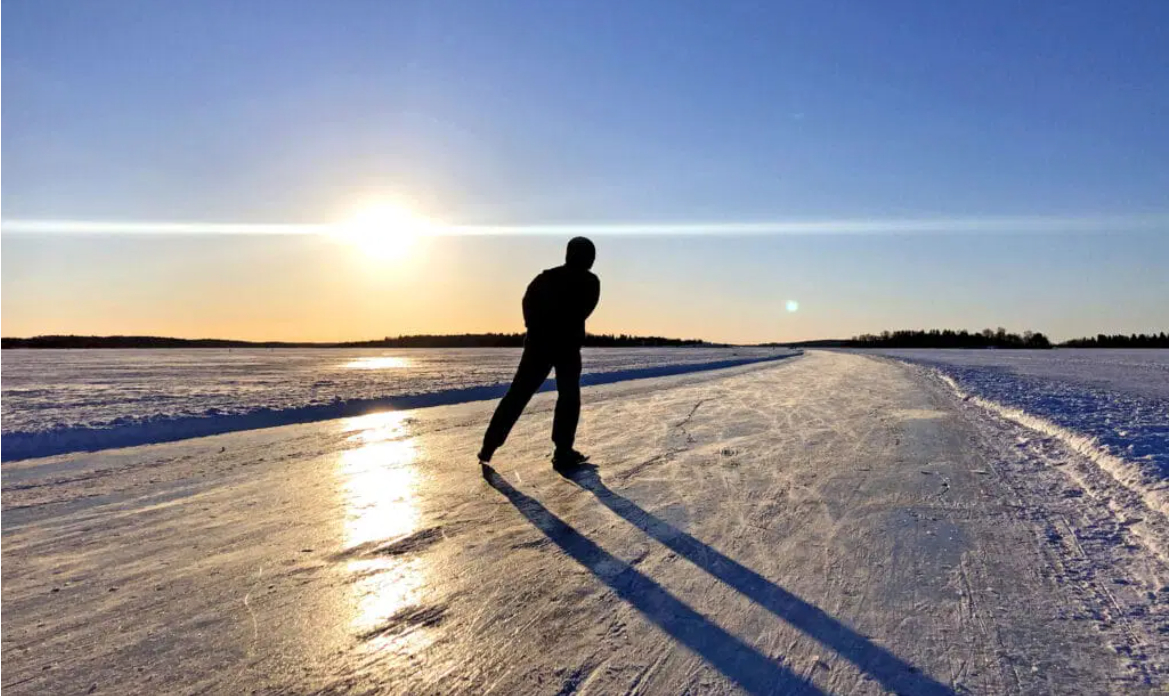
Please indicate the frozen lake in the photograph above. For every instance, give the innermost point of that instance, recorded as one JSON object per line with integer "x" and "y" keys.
{"x": 831, "y": 524}
{"x": 1142, "y": 372}
{"x": 66, "y": 400}
{"x": 1117, "y": 398}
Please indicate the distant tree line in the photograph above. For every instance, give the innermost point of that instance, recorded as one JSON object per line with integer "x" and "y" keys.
{"x": 487, "y": 340}
{"x": 72, "y": 341}
{"x": 515, "y": 340}
{"x": 628, "y": 341}
{"x": 947, "y": 338}
{"x": 1160, "y": 340}
{"x": 817, "y": 343}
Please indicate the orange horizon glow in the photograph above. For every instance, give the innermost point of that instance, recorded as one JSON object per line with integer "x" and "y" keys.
{"x": 322, "y": 288}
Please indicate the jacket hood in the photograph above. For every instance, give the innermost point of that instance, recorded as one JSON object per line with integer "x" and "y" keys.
{"x": 580, "y": 254}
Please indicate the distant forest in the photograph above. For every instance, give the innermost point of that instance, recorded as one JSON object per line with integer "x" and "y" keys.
{"x": 987, "y": 338}
{"x": 991, "y": 338}
{"x": 1160, "y": 340}
{"x": 516, "y": 340}
{"x": 947, "y": 338}
{"x": 489, "y": 340}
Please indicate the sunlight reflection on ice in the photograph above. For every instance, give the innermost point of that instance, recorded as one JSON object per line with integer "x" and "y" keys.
{"x": 379, "y": 490}
{"x": 377, "y": 427}
{"x": 381, "y": 362}
{"x": 378, "y": 482}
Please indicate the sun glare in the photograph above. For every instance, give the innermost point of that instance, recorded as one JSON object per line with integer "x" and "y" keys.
{"x": 383, "y": 230}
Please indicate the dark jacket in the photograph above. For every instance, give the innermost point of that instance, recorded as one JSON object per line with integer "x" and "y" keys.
{"x": 557, "y": 303}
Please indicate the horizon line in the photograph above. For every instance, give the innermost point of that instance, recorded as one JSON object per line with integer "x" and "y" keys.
{"x": 510, "y": 334}
{"x": 522, "y": 333}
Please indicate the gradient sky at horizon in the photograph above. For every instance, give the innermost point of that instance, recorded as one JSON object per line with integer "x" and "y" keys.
{"x": 529, "y": 113}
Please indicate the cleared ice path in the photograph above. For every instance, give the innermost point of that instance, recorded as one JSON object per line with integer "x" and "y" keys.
{"x": 828, "y": 524}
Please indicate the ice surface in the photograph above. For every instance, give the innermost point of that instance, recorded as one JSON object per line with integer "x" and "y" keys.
{"x": 57, "y": 401}
{"x": 826, "y": 524}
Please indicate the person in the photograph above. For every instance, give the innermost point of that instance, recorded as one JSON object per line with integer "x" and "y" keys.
{"x": 556, "y": 305}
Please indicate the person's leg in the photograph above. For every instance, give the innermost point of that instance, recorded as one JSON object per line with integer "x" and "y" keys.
{"x": 567, "y": 399}
{"x": 535, "y": 364}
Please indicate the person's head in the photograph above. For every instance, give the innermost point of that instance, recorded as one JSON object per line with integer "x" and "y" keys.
{"x": 581, "y": 253}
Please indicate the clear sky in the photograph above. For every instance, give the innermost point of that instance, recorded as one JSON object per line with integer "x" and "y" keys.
{"x": 533, "y": 116}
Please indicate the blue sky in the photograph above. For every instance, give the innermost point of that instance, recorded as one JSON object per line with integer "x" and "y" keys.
{"x": 547, "y": 113}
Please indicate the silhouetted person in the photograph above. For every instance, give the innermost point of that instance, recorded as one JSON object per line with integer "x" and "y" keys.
{"x": 556, "y": 305}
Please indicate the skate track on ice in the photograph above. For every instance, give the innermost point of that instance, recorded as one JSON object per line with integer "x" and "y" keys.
{"x": 832, "y": 523}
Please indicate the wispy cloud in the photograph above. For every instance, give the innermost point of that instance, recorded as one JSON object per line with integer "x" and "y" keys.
{"x": 846, "y": 226}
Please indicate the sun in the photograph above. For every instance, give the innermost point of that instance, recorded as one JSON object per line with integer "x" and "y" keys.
{"x": 383, "y": 230}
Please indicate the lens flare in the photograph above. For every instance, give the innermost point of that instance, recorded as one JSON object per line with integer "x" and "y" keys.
{"x": 381, "y": 222}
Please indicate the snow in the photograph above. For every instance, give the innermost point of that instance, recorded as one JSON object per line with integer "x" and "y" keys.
{"x": 833, "y": 523}
{"x": 1112, "y": 406}
{"x": 58, "y": 401}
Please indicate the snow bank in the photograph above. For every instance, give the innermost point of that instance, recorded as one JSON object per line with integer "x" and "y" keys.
{"x": 1109, "y": 406}
{"x": 1151, "y": 491}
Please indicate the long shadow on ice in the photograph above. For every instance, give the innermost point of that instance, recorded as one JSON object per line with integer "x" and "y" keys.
{"x": 738, "y": 661}
{"x": 892, "y": 672}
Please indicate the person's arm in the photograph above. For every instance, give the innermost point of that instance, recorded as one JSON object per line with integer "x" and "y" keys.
{"x": 530, "y": 304}
{"x": 592, "y": 295}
